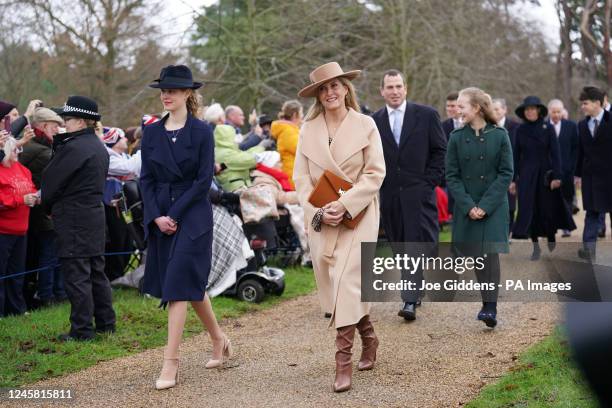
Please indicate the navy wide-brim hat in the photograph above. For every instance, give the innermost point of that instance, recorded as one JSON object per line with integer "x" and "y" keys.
{"x": 175, "y": 77}
{"x": 531, "y": 101}
{"x": 80, "y": 107}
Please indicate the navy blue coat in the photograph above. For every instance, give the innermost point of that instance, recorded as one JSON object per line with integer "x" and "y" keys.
{"x": 595, "y": 165}
{"x": 541, "y": 211}
{"x": 511, "y": 126}
{"x": 175, "y": 181}
{"x": 414, "y": 169}
{"x": 568, "y": 146}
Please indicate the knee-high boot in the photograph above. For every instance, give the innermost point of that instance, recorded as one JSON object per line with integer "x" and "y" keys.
{"x": 344, "y": 367}
{"x": 369, "y": 344}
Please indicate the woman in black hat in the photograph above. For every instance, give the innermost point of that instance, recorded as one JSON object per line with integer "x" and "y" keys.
{"x": 177, "y": 171}
{"x": 537, "y": 178}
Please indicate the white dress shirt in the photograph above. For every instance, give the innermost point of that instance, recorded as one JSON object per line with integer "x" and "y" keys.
{"x": 400, "y": 117}
{"x": 557, "y": 127}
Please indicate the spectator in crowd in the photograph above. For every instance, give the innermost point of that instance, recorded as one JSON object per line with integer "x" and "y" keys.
{"x": 238, "y": 163}
{"x": 537, "y": 178}
{"x": 255, "y": 135}
{"x": 42, "y": 240}
{"x": 235, "y": 118}
{"x": 480, "y": 189}
{"x": 602, "y": 216}
{"x": 121, "y": 167}
{"x": 72, "y": 190}
{"x": 214, "y": 115}
{"x": 500, "y": 110}
{"x": 17, "y": 195}
{"x": 594, "y": 165}
{"x": 286, "y": 131}
{"x": 333, "y": 132}
{"x": 19, "y": 123}
{"x": 567, "y": 136}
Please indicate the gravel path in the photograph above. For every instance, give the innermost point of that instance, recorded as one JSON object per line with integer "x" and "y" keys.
{"x": 285, "y": 358}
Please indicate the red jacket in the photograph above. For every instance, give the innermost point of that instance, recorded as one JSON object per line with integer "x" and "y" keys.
{"x": 15, "y": 182}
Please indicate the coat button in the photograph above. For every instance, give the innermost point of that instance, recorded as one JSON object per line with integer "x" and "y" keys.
{"x": 401, "y": 188}
{"x": 482, "y": 177}
{"x": 467, "y": 177}
{"x": 467, "y": 157}
{"x": 467, "y": 140}
{"x": 481, "y": 157}
{"x": 482, "y": 139}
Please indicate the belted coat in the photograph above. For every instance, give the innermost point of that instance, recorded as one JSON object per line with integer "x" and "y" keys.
{"x": 356, "y": 155}
{"x": 175, "y": 180}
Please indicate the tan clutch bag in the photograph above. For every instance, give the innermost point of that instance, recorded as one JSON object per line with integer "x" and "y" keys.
{"x": 329, "y": 188}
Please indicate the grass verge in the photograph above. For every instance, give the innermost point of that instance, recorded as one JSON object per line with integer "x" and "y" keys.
{"x": 30, "y": 352}
{"x": 544, "y": 376}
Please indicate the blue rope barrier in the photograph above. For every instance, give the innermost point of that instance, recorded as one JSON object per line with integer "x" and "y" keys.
{"x": 54, "y": 265}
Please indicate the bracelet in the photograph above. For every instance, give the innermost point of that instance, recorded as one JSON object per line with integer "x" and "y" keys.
{"x": 317, "y": 220}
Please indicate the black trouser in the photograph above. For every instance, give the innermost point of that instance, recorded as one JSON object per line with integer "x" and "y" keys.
{"x": 12, "y": 261}
{"x": 118, "y": 240}
{"x": 489, "y": 274}
{"x": 89, "y": 292}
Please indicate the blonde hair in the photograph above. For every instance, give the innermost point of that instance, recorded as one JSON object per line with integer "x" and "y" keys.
{"x": 9, "y": 147}
{"x": 350, "y": 100}
{"x": 478, "y": 98}
{"x": 289, "y": 109}
{"x": 193, "y": 103}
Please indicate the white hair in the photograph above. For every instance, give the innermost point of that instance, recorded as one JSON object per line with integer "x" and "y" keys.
{"x": 214, "y": 113}
{"x": 557, "y": 102}
{"x": 9, "y": 148}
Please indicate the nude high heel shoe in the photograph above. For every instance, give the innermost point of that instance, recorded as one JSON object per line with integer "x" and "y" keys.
{"x": 164, "y": 384}
{"x": 227, "y": 354}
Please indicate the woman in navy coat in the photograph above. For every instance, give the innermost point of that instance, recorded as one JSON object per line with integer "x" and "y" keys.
{"x": 537, "y": 173}
{"x": 177, "y": 171}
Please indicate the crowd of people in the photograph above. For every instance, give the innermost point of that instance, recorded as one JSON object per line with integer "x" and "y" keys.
{"x": 62, "y": 171}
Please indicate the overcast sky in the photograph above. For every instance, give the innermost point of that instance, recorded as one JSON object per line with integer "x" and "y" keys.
{"x": 182, "y": 13}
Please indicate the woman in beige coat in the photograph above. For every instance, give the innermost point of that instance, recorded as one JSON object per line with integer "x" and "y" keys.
{"x": 337, "y": 138}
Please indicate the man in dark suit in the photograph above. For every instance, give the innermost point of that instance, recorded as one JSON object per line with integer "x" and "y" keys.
{"x": 567, "y": 135}
{"x": 500, "y": 109}
{"x": 453, "y": 114}
{"x": 452, "y": 122}
{"x": 414, "y": 146}
{"x": 594, "y": 165}
{"x": 72, "y": 188}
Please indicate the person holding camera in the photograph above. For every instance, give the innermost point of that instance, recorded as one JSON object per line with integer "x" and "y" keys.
{"x": 72, "y": 189}
{"x": 17, "y": 195}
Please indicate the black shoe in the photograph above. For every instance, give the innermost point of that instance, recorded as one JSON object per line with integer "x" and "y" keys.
{"x": 327, "y": 315}
{"x": 408, "y": 312}
{"x": 68, "y": 337}
{"x": 418, "y": 303}
{"x": 551, "y": 246}
{"x": 488, "y": 317}
{"x": 46, "y": 302}
{"x": 586, "y": 254}
{"x": 566, "y": 234}
{"x": 601, "y": 234}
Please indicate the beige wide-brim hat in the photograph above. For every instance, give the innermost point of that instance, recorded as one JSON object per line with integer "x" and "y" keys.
{"x": 324, "y": 73}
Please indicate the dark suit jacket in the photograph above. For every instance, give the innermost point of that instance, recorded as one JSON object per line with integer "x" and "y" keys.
{"x": 448, "y": 126}
{"x": 595, "y": 165}
{"x": 568, "y": 145}
{"x": 414, "y": 169}
{"x": 511, "y": 125}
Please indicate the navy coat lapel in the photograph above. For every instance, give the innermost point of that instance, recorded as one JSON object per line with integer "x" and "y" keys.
{"x": 409, "y": 124}
{"x": 183, "y": 150}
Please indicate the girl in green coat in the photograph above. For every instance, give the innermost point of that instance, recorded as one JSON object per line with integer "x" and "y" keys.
{"x": 478, "y": 173}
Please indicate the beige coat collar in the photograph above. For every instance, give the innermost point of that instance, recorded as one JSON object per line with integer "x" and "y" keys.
{"x": 350, "y": 138}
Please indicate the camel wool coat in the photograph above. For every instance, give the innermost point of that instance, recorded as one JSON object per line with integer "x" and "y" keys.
{"x": 356, "y": 155}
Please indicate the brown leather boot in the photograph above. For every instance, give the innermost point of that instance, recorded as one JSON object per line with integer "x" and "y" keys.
{"x": 344, "y": 366}
{"x": 369, "y": 344}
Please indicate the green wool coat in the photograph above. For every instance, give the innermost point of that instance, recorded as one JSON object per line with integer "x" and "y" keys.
{"x": 479, "y": 171}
